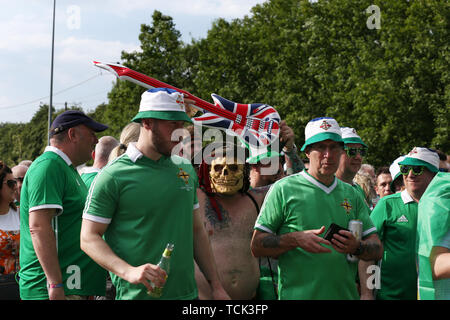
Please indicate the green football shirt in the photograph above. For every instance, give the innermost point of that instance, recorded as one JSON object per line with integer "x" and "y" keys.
{"x": 88, "y": 176}
{"x": 146, "y": 205}
{"x": 432, "y": 230}
{"x": 395, "y": 217}
{"x": 52, "y": 182}
{"x": 299, "y": 202}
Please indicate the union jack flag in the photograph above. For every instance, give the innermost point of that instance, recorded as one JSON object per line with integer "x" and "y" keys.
{"x": 256, "y": 123}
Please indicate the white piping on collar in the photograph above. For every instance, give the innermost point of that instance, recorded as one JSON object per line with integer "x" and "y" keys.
{"x": 133, "y": 153}
{"x": 406, "y": 197}
{"x": 311, "y": 179}
{"x": 91, "y": 170}
{"x": 59, "y": 153}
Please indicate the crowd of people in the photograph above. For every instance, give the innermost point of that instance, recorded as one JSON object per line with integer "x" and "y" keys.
{"x": 246, "y": 223}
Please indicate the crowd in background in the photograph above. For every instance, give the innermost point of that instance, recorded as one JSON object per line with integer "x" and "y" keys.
{"x": 71, "y": 231}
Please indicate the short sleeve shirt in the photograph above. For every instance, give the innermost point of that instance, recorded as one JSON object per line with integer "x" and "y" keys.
{"x": 88, "y": 176}
{"x": 395, "y": 217}
{"x": 146, "y": 205}
{"x": 9, "y": 241}
{"x": 52, "y": 182}
{"x": 297, "y": 203}
{"x": 433, "y": 224}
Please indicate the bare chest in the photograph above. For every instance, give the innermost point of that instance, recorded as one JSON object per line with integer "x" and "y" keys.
{"x": 235, "y": 220}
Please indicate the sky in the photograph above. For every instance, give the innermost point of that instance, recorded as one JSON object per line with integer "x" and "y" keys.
{"x": 85, "y": 30}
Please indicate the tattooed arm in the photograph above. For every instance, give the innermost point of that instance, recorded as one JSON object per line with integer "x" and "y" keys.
{"x": 371, "y": 248}
{"x": 273, "y": 245}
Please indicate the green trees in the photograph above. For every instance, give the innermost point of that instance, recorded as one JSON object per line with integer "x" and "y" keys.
{"x": 309, "y": 60}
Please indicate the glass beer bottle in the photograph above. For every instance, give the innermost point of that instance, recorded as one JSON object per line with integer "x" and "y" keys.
{"x": 164, "y": 264}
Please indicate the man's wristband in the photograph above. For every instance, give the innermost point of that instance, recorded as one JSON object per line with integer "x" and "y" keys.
{"x": 56, "y": 285}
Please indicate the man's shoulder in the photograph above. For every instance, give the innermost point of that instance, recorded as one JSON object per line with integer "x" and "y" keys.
{"x": 46, "y": 161}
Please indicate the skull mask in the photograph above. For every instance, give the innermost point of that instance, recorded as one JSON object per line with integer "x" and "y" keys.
{"x": 227, "y": 175}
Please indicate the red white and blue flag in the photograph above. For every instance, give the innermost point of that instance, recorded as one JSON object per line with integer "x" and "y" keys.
{"x": 256, "y": 123}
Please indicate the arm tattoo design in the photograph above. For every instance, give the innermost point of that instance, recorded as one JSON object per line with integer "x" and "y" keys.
{"x": 271, "y": 241}
{"x": 369, "y": 248}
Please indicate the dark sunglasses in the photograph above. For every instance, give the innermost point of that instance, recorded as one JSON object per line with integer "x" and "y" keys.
{"x": 416, "y": 170}
{"x": 11, "y": 183}
{"x": 443, "y": 169}
{"x": 351, "y": 152}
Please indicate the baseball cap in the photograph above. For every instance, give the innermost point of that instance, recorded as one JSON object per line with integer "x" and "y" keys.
{"x": 419, "y": 156}
{"x": 349, "y": 135}
{"x": 320, "y": 129}
{"x": 71, "y": 118}
{"x": 162, "y": 103}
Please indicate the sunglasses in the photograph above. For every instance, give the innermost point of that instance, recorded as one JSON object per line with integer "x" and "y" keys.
{"x": 416, "y": 170}
{"x": 11, "y": 183}
{"x": 352, "y": 152}
{"x": 443, "y": 169}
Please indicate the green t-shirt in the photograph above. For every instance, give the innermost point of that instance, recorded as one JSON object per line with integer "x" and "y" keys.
{"x": 432, "y": 227}
{"x": 299, "y": 202}
{"x": 395, "y": 217}
{"x": 52, "y": 182}
{"x": 146, "y": 205}
{"x": 88, "y": 176}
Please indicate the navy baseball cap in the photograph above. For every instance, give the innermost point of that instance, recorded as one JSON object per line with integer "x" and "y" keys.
{"x": 71, "y": 118}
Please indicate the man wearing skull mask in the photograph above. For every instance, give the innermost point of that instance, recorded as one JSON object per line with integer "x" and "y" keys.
{"x": 145, "y": 199}
{"x": 230, "y": 210}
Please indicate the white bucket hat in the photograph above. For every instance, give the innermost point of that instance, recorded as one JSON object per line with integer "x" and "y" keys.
{"x": 162, "y": 103}
{"x": 349, "y": 135}
{"x": 394, "y": 169}
{"x": 419, "y": 156}
{"x": 320, "y": 129}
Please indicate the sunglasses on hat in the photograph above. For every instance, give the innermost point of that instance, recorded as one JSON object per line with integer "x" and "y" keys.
{"x": 416, "y": 170}
{"x": 352, "y": 152}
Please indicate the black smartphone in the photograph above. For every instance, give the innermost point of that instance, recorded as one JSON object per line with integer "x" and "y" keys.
{"x": 332, "y": 229}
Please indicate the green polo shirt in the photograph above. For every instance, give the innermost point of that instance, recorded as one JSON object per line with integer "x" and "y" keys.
{"x": 52, "y": 182}
{"x": 88, "y": 176}
{"x": 395, "y": 217}
{"x": 433, "y": 230}
{"x": 297, "y": 203}
{"x": 146, "y": 205}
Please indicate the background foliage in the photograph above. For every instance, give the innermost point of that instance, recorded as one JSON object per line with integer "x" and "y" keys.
{"x": 307, "y": 60}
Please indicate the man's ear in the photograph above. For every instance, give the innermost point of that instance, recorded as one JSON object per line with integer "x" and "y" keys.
{"x": 307, "y": 151}
{"x": 72, "y": 133}
{"x": 93, "y": 155}
{"x": 147, "y": 123}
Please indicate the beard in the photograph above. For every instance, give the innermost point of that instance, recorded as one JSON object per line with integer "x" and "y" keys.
{"x": 163, "y": 145}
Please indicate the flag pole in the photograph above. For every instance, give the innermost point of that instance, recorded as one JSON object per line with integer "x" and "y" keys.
{"x": 51, "y": 77}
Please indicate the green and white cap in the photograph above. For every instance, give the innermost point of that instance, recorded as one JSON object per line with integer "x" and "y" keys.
{"x": 419, "y": 156}
{"x": 394, "y": 169}
{"x": 320, "y": 129}
{"x": 258, "y": 154}
{"x": 162, "y": 103}
{"x": 349, "y": 135}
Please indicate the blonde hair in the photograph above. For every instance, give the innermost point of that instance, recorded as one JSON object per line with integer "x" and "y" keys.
{"x": 365, "y": 181}
{"x": 130, "y": 133}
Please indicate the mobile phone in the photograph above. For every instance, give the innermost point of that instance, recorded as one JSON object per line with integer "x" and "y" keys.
{"x": 332, "y": 229}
